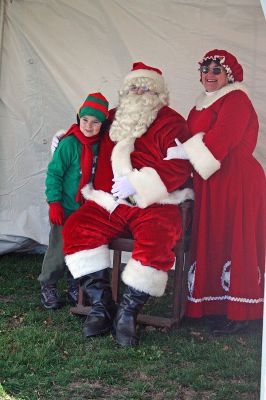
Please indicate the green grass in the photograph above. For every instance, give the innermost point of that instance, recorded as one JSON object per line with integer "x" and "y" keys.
{"x": 44, "y": 356}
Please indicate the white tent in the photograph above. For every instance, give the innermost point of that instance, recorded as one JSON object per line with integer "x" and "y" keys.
{"x": 55, "y": 52}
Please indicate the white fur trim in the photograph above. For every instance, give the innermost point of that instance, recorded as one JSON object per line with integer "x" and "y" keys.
{"x": 200, "y": 156}
{"x": 226, "y": 297}
{"x": 178, "y": 196}
{"x": 205, "y": 100}
{"x": 104, "y": 199}
{"x": 60, "y": 133}
{"x": 88, "y": 261}
{"x": 56, "y": 139}
{"x": 120, "y": 157}
{"x": 149, "y": 187}
{"x": 144, "y": 278}
{"x": 146, "y": 73}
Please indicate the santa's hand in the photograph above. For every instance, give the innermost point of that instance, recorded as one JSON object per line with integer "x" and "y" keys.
{"x": 176, "y": 152}
{"x": 122, "y": 188}
{"x": 56, "y": 139}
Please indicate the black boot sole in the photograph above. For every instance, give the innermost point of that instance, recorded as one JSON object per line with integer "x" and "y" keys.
{"x": 126, "y": 342}
{"x": 52, "y": 306}
{"x": 90, "y": 332}
{"x": 232, "y": 329}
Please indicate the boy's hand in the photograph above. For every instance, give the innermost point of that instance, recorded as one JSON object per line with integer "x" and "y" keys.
{"x": 57, "y": 215}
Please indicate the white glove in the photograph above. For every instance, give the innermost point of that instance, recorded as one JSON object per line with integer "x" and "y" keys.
{"x": 176, "y": 152}
{"x": 56, "y": 139}
{"x": 122, "y": 188}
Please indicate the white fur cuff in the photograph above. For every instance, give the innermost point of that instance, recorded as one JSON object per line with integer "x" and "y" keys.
{"x": 149, "y": 187}
{"x": 200, "y": 156}
{"x": 104, "y": 199}
{"x": 144, "y": 278}
{"x": 88, "y": 261}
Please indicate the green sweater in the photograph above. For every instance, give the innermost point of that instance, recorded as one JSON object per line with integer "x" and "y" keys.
{"x": 64, "y": 173}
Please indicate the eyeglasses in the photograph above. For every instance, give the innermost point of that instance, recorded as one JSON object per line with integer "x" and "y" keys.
{"x": 134, "y": 88}
{"x": 141, "y": 90}
{"x": 215, "y": 70}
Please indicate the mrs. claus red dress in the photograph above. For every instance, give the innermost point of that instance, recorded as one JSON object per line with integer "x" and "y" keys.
{"x": 226, "y": 276}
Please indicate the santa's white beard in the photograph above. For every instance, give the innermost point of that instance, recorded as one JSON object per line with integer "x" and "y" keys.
{"x": 134, "y": 115}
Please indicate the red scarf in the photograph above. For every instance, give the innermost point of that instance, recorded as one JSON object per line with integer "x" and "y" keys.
{"x": 86, "y": 157}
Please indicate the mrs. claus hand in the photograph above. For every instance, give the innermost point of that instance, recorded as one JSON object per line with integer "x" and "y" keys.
{"x": 176, "y": 152}
{"x": 122, "y": 188}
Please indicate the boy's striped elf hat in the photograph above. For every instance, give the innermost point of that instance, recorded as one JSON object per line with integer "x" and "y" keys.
{"x": 95, "y": 105}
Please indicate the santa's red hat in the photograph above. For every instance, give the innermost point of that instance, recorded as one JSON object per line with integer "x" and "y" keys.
{"x": 141, "y": 70}
{"x": 233, "y": 69}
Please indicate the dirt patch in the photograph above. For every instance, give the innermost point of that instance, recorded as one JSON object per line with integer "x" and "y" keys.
{"x": 185, "y": 393}
{"x": 6, "y": 299}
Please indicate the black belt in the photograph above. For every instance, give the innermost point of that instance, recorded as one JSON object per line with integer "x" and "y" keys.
{"x": 131, "y": 200}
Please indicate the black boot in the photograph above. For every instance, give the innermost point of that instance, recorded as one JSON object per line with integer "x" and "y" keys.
{"x": 97, "y": 288}
{"x": 124, "y": 328}
{"x": 231, "y": 328}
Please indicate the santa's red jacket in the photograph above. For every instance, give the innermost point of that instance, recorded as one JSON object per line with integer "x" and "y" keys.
{"x": 141, "y": 159}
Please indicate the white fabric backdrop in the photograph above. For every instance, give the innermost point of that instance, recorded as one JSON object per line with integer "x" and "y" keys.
{"x": 53, "y": 53}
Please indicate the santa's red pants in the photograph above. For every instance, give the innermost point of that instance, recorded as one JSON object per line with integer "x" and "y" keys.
{"x": 155, "y": 230}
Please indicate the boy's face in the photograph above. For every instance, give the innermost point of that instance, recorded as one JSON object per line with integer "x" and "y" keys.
{"x": 89, "y": 125}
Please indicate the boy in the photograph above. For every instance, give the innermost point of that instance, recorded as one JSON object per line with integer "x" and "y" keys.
{"x": 72, "y": 166}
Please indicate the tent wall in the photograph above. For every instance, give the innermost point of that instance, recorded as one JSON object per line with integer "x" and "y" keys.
{"x": 55, "y": 52}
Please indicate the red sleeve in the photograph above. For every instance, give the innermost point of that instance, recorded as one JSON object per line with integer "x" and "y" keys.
{"x": 233, "y": 119}
{"x": 151, "y": 149}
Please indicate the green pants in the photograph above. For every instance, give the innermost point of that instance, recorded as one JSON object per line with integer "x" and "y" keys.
{"x": 53, "y": 266}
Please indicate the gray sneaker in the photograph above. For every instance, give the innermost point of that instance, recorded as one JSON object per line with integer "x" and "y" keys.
{"x": 50, "y": 297}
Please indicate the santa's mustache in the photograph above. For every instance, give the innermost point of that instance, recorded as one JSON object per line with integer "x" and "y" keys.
{"x": 132, "y": 100}
{"x": 134, "y": 115}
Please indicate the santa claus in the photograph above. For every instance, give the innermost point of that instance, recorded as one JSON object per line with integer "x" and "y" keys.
{"x": 133, "y": 192}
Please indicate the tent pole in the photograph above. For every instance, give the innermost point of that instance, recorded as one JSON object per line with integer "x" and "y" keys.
{"x": 2, "y": 13}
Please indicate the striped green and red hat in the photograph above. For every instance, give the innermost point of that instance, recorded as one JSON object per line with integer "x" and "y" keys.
{"x": 96, "y": 105}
